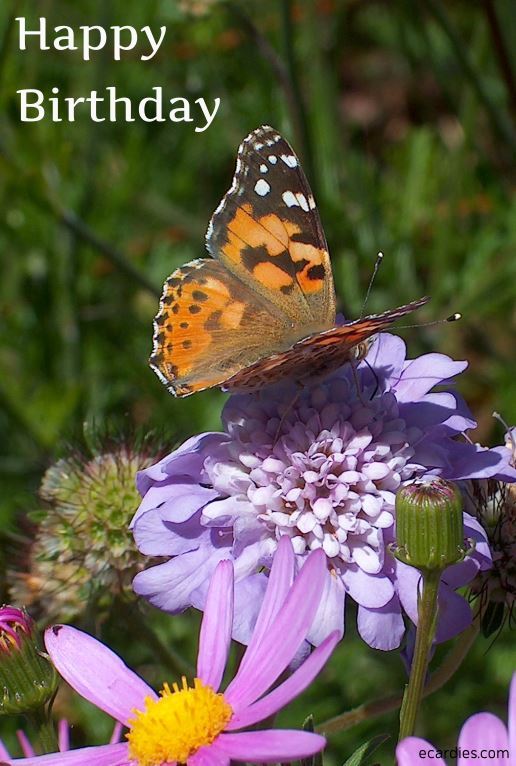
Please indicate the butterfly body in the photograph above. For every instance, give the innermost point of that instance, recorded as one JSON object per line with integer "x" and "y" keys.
{"x": 262, "y": 309}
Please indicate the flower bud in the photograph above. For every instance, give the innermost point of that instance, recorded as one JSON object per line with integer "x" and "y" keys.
{"x": 429, "y": 524}
{"x": 27, "y": 678}
{"x": 83, "y": 553}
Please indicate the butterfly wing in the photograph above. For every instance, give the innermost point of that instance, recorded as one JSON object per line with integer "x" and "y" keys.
{"x": 210, "y": 326}
{"x": 319, "y": 354}
{"x": 267, "y": 232}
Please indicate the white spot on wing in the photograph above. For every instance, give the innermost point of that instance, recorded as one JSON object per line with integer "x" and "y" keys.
{"x": 264, "y": 169}
{"x": 289, "y": 160}
{"x": 302, "y": 201}
{"x": 261, "y": 187}
{"x": 290, "y": 200}
{"x": 311, "y": 202}
{"x": 272, "y": 159}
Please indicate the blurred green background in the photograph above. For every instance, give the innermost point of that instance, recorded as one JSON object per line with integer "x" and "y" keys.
{"x": 403, "y": 114}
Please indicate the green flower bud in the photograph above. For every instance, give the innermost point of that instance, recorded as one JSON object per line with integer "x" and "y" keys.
{"x": 28, "y": 680}
{"x": 429, "y": 525}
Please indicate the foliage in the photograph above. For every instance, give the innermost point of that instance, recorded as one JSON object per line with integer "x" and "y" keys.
{"x": 402, "y": 114}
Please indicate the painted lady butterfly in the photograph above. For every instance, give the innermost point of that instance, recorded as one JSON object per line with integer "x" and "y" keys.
{"x": 263, "y": 308}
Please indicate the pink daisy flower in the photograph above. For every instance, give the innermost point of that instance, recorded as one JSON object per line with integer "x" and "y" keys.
{"x": 198, "y": 725}
{"x": 483, "y": 740}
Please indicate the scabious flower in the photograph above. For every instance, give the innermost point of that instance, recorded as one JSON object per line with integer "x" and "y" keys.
{"x": 321, "y": 466}
{"x": 494, "y": 743}
{"x": 63, "y": 738}
{"x": 198, "y": 725}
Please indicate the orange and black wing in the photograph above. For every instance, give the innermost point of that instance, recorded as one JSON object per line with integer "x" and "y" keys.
{"x": 267, "y": 232}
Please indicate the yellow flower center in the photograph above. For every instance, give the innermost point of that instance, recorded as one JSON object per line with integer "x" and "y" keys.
{"x": 175, "y": 726}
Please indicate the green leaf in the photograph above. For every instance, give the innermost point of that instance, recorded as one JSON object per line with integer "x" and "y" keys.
{"x": 314, "y": 760}
{"x": 361, "y": 756}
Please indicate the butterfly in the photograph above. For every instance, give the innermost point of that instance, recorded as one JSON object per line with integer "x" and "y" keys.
{"x": 262, "y": 308}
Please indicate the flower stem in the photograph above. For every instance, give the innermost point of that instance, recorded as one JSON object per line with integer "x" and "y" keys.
{"x": 427, "y": 622}
{"x": 375, "y": 708}
{"x": 44, "y": 728}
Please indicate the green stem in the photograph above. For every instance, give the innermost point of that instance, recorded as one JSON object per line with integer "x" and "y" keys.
{"x": 442, "y": 675}
{"x": 427, "y": 612}
{"x": 44, "y": 728}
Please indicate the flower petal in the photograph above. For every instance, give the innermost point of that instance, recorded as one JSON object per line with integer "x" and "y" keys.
{"x": 285, "y": 636}
{"x": 330, "y": 614}
{"x": 372, "y": 591}
{"x": 280, "y": 580}
{"x": 407, "y": 752}
{"x": 381, "y": 628}
{"x": 169, "y": 586}
{"x": 271, "y": 745}
{"x": 211, "y": 755}
{"x": 469, "y": 461}
{"x": 95, "y": 672}
{"x": 289, "y": 689}
{"x": 156, "y": 537}
{"x": 481, "y": 732}
{"x": 105, "y": 755}
{"x": 217, "y": 623}
{"x": 186, "y": 460}
{"x": 4, "y": 755}
{"x": 425, "y": 372}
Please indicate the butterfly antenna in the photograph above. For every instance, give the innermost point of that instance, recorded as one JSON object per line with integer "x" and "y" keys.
{"x": 379, "y": 259}
{"x": 452, "y": 318}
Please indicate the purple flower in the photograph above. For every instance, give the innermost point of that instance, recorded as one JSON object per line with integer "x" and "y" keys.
{"x": 198, "y": 725}
{"x": 493, "y": 741}
{"x": 322, "y": 467}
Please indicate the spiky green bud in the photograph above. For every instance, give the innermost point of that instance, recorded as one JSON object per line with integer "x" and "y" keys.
{"x": 83, "y": 554}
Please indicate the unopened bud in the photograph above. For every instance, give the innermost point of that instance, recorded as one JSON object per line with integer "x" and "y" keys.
{"x": 429, "y": 524}
{"x": 27, "y": 678}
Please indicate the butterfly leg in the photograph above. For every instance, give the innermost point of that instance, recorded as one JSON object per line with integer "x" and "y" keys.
{"x": 290, "y": 406}
{"x": 353, "y": 364}
{"x": 376, "y": 380}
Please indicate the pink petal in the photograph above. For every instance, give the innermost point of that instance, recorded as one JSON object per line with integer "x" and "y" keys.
{"x": 217, "y": 623}
{"x": 105, "y": 755}
{"x": 4, "y": 755}
{"x": 280, "y": 579}
{"x": 484, "y": 732}
{"x": 289, "y": 689}
{"x": 512, "y": 714}
{"x": 407, "y": 752}
{"x": 117, "y": 733}
{"x": 27, "y": 749}
{"x": 284, "y": 637}
{"x": 95, "y": 672}
{"x": 271, "y": 745}
{"x": 63, "y": 735}
{"x": 211, "y": 755}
